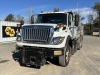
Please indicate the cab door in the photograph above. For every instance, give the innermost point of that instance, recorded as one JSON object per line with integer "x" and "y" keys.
{"x": 71, "y": 24}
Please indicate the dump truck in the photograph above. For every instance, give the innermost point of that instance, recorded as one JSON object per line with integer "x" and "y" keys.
{"x": 53, "y": 34}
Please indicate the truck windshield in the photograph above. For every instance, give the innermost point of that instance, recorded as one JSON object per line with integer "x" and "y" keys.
{"x": 52, "y": 18}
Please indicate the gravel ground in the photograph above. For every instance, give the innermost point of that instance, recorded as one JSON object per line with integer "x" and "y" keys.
{"x": 84, "y": 62}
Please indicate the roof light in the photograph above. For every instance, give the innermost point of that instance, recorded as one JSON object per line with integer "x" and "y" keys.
{"x": 41, "y": 11}
{"x": 56, "y": 9}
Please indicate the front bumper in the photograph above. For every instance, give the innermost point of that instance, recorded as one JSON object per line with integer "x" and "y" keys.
{"x": 47, "y": 52}
{"x": 36, "y": 55}
{"x": 21, "y": 44}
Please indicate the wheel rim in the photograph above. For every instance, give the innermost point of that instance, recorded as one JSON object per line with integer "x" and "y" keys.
{"x": 67, "y": 56}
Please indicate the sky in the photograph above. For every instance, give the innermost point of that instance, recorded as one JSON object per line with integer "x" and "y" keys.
{"x": 21, "y": 6}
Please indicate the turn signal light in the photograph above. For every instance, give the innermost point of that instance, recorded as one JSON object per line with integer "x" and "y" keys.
{"x": 57, "y": 52}
{"x": 62, "y": 25}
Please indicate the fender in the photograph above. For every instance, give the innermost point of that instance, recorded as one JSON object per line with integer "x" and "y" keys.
{"x": 68, "y": 40}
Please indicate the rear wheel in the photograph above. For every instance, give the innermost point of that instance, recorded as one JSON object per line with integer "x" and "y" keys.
{"x": 79, "y": 43}
{"x": 99, "y": 33}
{"x": 64, "y": 59}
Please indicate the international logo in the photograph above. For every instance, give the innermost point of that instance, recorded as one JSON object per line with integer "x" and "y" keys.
{"x": 10, "y": 31}
{"x": 35, "y": 27}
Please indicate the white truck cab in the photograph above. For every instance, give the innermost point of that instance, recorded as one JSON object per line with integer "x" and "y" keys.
{"x": 55, "y": 34}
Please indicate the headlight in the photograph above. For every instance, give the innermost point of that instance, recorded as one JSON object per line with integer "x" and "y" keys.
{"x": 57, "y": 40}
{"x": 18, "y": 38}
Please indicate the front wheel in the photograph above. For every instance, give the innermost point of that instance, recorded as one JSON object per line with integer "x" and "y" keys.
{"x": 64, "y": 59}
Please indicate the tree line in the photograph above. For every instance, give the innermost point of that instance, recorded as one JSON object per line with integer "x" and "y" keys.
{"x": 12, "y": 18}
{"x": 93, "y": 19}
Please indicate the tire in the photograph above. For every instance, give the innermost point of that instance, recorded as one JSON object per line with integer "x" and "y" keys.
{"x": 79, "y": 43}
{"x": 74, "y": 47}
{"x": 65, "y": 58}
{"x": 78, "y": 46}
{"x": 99, "y": 33}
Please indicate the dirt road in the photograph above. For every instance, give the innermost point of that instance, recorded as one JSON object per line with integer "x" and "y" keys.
{"x": 84, "y": 62}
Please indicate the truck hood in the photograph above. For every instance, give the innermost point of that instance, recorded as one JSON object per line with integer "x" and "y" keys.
{"x": 42, "y": 24}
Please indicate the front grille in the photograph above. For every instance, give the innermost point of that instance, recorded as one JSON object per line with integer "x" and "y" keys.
{"x": 36, "y": 34}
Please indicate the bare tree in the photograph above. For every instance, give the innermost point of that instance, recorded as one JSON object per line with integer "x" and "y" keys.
{"x": 19, "y": 18}
{"x": 30, "y": 13}
{"x": 90, "y": 18}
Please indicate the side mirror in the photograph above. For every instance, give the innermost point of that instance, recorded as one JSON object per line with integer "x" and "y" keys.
{"x": 77, "y": 19}
{"x": 32, "y": 19}
{"x": 20, "y": 25}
